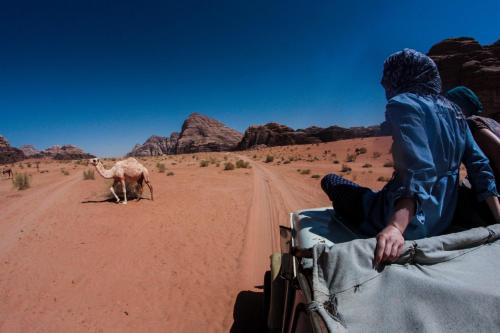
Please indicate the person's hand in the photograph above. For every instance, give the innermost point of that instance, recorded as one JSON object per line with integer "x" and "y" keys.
{"x": 390, "y": 242}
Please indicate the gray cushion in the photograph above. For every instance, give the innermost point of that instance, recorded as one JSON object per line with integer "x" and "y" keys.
{"x": 318, "y": 225}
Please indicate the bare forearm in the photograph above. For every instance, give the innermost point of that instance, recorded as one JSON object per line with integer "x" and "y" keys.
{"x": 494, "y": 206}
{"x": 403, "y": 214}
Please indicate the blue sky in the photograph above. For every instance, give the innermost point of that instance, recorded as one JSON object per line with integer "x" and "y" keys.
{"x": 105, "y": 75}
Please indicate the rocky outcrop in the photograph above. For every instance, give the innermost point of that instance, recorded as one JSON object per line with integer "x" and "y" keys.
{"x": 274, "y": 134}
{"x": 156, "y": 146}
{"x": 29, "y": 150}
{"x": 65, "y": 152}
{"x": 203, "y": 134}
{"x": 463, "y": 61}
{"x": 9, "y": 154}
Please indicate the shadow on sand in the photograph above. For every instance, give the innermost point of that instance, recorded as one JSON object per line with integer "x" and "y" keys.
{"x": 248, "y": 313}
{"x": 111, "y": 200}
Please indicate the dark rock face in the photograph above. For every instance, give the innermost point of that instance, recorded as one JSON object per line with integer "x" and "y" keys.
{"x": 274, "y": 134}
{"x": 155, "y": 146}
{"x": 203, "y": 134}
{"x": 29, "y": 150}
{"x": 463, "y": 61}
{"x": 65, "y": 152}
{"x": 9, "y": 154}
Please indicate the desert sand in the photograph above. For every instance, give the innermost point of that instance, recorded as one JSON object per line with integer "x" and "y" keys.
{"x": 192, "y": 260}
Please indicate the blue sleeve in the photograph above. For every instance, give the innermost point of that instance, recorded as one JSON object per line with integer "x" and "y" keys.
{"x": 415, "y": 171}
{"x": 478, "y": 168}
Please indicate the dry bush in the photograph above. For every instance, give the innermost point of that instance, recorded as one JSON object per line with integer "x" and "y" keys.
{"x": 170, "y": 173}
{"x": 228, "y": 166}
{"x": 367, "y": 165}
{"x": 383, "y": 179}
{"x": 376, "y": 154}
{"x": 204, "y": 163}
{"x": 360, "y": 151}
{"x": 21, "y": 181}
{"x": 161, "y": 167}
{"x": 389, "y": 164}
{"x": 350, "y": 158}
{"x": 336, "y": 162}
{"x": 305, "y": 172}
{"x": 345, "y": 168}
{"x": 65, "y": 172}
{"x": 269, "y": 158}
{"x": 315, "y": 176}
{"x": 88, "y": 174}
{"x": 242, "y": 164}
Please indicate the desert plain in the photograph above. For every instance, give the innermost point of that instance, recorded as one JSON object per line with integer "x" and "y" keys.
{"x": 192, "y": 260}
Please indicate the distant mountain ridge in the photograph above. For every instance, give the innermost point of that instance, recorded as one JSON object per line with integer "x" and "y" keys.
{"x": 199, "y": 133}
{"x": 9, "y": 154}
{"x": 203, "y": 134}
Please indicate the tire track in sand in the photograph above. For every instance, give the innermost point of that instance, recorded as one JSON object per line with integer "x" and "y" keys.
{"x": 272, "y": 201}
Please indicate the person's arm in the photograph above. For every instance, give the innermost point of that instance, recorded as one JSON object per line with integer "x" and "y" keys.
{"x": 490, "y": 145}
{"x": 494, "y": 207}
{"x": 390, "y": 240}
{"x": 415, "y": 171}
{"x": 480, "y": 174}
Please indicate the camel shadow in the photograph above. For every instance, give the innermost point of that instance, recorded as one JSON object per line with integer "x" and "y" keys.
{"x": 248, "y": 313}
{"x": 111, "y": 200}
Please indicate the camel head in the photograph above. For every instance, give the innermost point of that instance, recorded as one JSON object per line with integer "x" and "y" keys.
{"x": 94, "y": 161}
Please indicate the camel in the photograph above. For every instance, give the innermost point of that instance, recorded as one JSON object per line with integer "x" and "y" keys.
{"x": 7, "y": 171}
{"x": 125, "y": 170}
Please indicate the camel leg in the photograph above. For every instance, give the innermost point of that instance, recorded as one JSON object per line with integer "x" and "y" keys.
{"x": 150, "y": 189}
{"x": 141, "y": 188}
{"x": 113, "y": 191}
{"x": 124, "y": 187}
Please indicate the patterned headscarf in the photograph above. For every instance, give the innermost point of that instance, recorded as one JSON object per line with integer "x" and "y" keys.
{"x": 410, "y": 71}
{"x": 466, "y": 99}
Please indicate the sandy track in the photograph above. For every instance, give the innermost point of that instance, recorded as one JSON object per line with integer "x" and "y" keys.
{"x": 272, "y": 200}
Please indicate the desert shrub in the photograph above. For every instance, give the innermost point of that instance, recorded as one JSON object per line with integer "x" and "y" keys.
{"x": 383, "y": 179}
{"x": 286, "y": 162}
{"x": 28, "y": 165}
{"x": 161, "y": 167}
{"x": 336, "y": 162}
{"x": 65, "y": 172}
{"x": 360, "y": 151}
{"x": 269, "y": 158}
{"x": 315, "y": 176}
{"x": 350, "y": 158}
{"x": 21, "y": 181}
{"x": 376, "y": 154}
{"x": 203, "y": 163}
{"x": 305, "y": 172}
{"x": 242, "y": 164}
{"x": 217, "y": 164}
{"x": 88, "y": 174}
{"x": 170, "y": 173}
{"x": 389, "y": 164}
{"x": 212, "y": 160}
{"x": 254, "y": 157}
{"x": 367, "y": 165}
{"x": 228, "y": 166}
{"x": 345, "y": 168}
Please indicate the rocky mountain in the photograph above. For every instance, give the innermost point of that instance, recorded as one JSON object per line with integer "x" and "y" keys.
{"x": 274, "y": 134}
{"x": 29, "y": 150}
{"x": 156, "y": 146}
{"x": 463, "y": 61}
{"x": 9, "y": 154}
{"x": 65, "y": 152}
{"x": 199, "y": 134}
